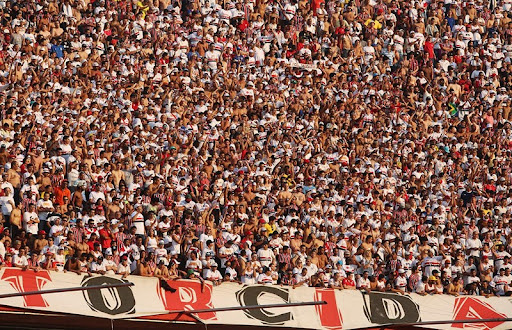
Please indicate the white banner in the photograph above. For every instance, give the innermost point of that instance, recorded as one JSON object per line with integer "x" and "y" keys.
{"x": 346, "y": 309}
{"x": 303, "y": 66}
{"x": 118, "y": 302}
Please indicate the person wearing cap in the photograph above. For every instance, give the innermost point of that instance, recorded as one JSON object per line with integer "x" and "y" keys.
{"x": 401, "y": 282}
{"x": 193, "y": 275}
{"x": 206, "y": 262}
{"x": 98, "y": 266}
{"x": 430, "y": 286}
{"x": 40, "y": 242}
{"x": 485, "y": 263}
{"x": 48, "y": 260}
{"x": 160, "y": 252}
{"x": 124, "y": 266}
{"x": 110, "y": 264}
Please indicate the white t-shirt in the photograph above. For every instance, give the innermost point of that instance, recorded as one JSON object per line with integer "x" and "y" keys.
{"x": 474, "y": 243}
{"x": 264, "y": 279}
{"x": 122, "y": 269}
{"x": 299, "y": 278}
{"x": 430, "y": 264}
{"x": 194, "y": 264}
{"x": 30, "y": 216}
{"x": 160, "y": 254}
{"x": 98, "y": 267}
{"x": 498, "y": 282}
{"x": 363, "y": 283}
{"x": 265, "y": 256}
{"x": 45, "y": 204}
{"x": 248, "y": 278}
{"x": 138, "y": 222}
{"x": 213, "y": 275}
{"x": 21, "y": 261}
{"x": 6, "y": 204}
{"x": 401, "y": 282}
{"x": 109, "y": 263}
{"x": 227, "y": 251}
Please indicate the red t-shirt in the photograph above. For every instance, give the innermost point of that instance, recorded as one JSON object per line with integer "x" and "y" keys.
{"x": 315, "y": 4}
{"x": 429, "y": 48}
{"x": 105, "y": 238}
{"x": 348, "y": 282}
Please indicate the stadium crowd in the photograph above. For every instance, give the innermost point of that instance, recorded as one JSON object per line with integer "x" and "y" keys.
{"x": 351, "y": 144}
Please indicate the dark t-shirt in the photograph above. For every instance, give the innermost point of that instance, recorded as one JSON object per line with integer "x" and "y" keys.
{"x": 467, "y": 196}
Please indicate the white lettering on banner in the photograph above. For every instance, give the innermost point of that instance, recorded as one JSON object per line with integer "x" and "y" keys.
{"x": 303, "y": 66}
{"x": 152, "y": 298}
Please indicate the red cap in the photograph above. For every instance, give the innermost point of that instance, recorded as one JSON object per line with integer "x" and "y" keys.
{"x": 41, "y": 232}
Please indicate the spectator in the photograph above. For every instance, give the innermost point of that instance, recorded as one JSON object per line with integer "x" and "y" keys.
{"x": 335, "y": 140}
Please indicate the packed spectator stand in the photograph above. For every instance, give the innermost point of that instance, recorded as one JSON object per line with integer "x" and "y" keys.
{"x": 346, "y": 144}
